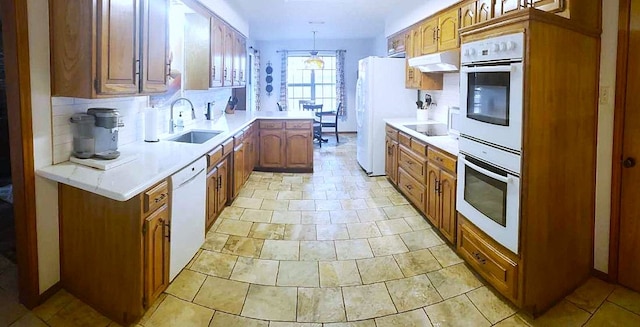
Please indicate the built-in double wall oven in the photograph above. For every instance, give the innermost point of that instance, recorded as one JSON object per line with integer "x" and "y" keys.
{"x": 491, "y": 113}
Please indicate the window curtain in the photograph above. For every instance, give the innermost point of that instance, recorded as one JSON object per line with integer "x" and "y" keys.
{"x": 340, "y": 85}
{"x": 283, "y": 79}
{"x": 256, "y": 78}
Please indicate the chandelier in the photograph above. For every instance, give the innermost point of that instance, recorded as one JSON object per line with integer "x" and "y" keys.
{"x": 314, "y": 62}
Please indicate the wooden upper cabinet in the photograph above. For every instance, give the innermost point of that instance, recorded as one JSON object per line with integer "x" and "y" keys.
{"x": 484, "y": 10}
{"x": 217, "y": 52}
{"x": 408, "y": 43}
{"x": 503, "y": 7}
{"x": 243, "y": 61}
{"x": 428, "y": 36}
{"x": 155, "y": 46}
{"x": 548, "y": 5}
{"x": 239, "y": 59}
{"x": 229, "y": 41}
{"x": 117, "y": 42}
{"x": 468, "y": 14}
{"x": 196, "y": 51}
{"x": 416, "y": 39}
{"x": 448, "y": 37}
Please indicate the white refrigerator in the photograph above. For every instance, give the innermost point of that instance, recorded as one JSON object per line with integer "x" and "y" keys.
{"x": 380, "y": 94}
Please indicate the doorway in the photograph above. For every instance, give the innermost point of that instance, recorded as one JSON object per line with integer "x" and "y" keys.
{"x": 624, "y": 260}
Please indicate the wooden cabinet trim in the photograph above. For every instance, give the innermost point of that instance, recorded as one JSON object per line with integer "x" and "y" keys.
{"x": 441, "y": 159}
{"x": 155, "y": 197}
{"x": 271, "y": 124}
{"x": 413, "y": 164}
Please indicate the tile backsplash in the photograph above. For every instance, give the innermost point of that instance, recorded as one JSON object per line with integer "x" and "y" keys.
{"x": 449, "y": 96}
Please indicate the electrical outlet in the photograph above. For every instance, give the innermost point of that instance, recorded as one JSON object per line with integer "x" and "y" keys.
{"x": 605, "y": 94}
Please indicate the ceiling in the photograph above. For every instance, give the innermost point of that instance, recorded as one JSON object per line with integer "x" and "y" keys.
{"x": 343, "y": 19}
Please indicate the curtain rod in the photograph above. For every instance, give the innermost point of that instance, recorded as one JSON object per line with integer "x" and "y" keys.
{"x": 278, "y": 51}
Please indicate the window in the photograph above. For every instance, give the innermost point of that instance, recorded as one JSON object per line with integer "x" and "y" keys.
{"x": 317, "y": 86}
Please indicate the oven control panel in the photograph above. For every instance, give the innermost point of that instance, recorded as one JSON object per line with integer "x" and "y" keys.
{"x": 508, "y": 47}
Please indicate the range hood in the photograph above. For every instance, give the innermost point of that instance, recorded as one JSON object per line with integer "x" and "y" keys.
{"x": 447, "y": 61}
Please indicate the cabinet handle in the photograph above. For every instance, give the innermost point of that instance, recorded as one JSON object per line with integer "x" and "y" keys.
{"x": 169, "y": 69}
{"x": 160, "y": 198}
{"x": 219, "y": 184}
{"x": 225, "y": 73}
{"x": 439, "y": 187}
{"x": 213, "y": 72}
{"x": 136, "y": 66}
{"x": 409, "y": 187}
{"x": 479, "y": 258}
{"x": 436, "y": 186}
{"x": 167, "y": 232}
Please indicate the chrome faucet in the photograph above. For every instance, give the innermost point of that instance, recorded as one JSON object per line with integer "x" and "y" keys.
{"x": 193, "y": 112}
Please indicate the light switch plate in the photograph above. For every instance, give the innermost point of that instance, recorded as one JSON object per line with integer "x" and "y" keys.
{"x": 605, "y": 94}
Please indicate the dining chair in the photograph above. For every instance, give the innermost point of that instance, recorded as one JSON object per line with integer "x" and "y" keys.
{"x": 301, "y": 103}
{"x": 317, "y": 122}
{"x": 279, "y": 106}
{"x": 334, "y": 124}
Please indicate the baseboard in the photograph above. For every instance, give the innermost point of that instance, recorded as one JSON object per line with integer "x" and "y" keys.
{"x": 601, "y": 275}
{"x": 49, "y": 292}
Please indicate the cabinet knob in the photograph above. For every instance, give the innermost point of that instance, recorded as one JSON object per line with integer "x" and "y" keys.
{"x": 630, "y": 162}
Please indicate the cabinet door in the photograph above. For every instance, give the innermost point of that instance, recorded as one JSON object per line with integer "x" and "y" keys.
{"x": 229, "y": 41}
{"x": 428, "y": 37}
{"x": 433, "y": 206}
{"x": 197, "y": 52}
{"x": 299, "y": 149}
{"x": 468, "y": 14}
{"x": 484, "y": 10}
{"x": 155, "y": 46}
{"x": 391, "y": 160}
{"x": 547, "y": 5}
{"x": 272, "y": 147}
{"x": 447, "y": 190}
{"x": 400, "y": 43}
{"x": 223, "y": 185}
{"x": 448, "y": 30}
{"x": 238, "y": 169}
{"x": 248, "y": 154}
{"x": 503, "y": 7}
{"x": 408, "y": 44}
{"x": 237, "y": 53}
{"x": 242, "y": 60}
{"x": 217, "y": 52}
{"x": 212, "y": 197}
{"x": 156, "y": 254}
{"x": 118, "y": 62}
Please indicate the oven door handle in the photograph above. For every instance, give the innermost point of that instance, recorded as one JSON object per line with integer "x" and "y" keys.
{"x": 486, "y": 172}
{"x": 491, "y": 69}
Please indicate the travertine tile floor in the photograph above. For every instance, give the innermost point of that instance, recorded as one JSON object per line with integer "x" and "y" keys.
{"x": 335, "y": 249}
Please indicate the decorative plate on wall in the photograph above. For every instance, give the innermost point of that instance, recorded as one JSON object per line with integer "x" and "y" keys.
{"x": 269, "y": 78}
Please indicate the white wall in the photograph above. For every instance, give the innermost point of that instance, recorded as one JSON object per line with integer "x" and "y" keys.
{"x": 400, "y": 21}
{"x": 356, "y": 50}
{"x": 605, "y": 134}
{"x": 380, "y": 46}
{"x": 229, "y": 14}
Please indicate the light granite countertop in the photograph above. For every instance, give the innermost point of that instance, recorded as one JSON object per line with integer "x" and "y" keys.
{"x": 445, "y": 143}
{"x": 156, "y": 161}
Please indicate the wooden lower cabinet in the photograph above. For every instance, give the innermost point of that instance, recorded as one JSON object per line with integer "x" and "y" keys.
{"x": 391, "y": 160}
{"x": 299, "y": 148}
{"x": 272, "y": 148}
{"x": 413, "y": 189}
{"x": 238, "y": 169}
{"x": 441, "y": 193}
{"x": 118, "y": 260}
{"x": 286, "y": 145}
{"x": 217, "y": 190}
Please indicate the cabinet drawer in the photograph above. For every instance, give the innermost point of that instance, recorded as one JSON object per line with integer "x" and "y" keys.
{"x": 441, "y": 159}
{"x": 404, "y": 139}
{"x": 227, "y": 147}
{"x": 419, "y": 147}
{"x": 488, "y": 261}
{"x": 155, "y": 197}
{"x": 415, "y": 191}
{"x": 214, "y": 157}
{"x": 298, "y": 124}
{"x": 392, "y": 133}
{"x": 238, "y": 138}
{"x": 271, "y": 124}
{"x": 412, "y": 164}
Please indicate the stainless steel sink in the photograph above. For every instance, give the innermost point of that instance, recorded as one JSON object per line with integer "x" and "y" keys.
{"x": 197, "y": 137}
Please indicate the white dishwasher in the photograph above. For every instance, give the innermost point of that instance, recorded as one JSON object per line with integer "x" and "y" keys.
{"x": 188, "y": 210}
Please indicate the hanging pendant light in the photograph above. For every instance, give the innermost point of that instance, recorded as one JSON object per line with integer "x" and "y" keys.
{"x": 314, "y": 62}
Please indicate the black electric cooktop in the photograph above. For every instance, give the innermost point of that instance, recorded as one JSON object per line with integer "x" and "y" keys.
{"x": 429, "y": 129}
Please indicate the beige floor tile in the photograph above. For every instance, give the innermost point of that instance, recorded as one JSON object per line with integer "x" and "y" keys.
{"x": 363, "y": 230}
{"x": 77, "y": 313}
{"x": 344, "y": 216}
{"x": 380, "y": 269}
{"x": 412, "y": 293}
{"x": 29, "y": 320}
{"x": 300, "y": 232}
{"x": 298, "y": 273}
{"x": 591, "y": 294}
{"x": 401, "y": 211}
{"x": 257, "y": 215}
{"x": 221, "y": 319}
{"x": 367, "y": 301}
{"x": 246, "y": 193}
{"x": 52, "y": 305}
{"x": 304, "y": 187}
{"x": 626, "y": 298}
{"x": 186, "y": 284}
{"x": 316, "y": 217}
{"x": 279, "y": 186}
{"x": 275, "y": 205}
{"x": 243, "y": 246}
{"x": 233, "y": 213}
{"x": 289, "y": 195}
{"x": 339, "y": 273}
{"x": 610, "y": 314}
{"x": 293, "y": 324}
{"x": 361, "y": 323}
{"x": 394, "y": 226}
{"x": 445, "y": 255}
{"x": 417, "y": 262}
{"x": 280, "y": 250}
{"x": 234, "y": 227}
{"x": 417, "y": 223}
{"x": 10, "y": 309}
{"x": 454, "y": 280}
{"x": 354, "y": 204}
{"x": 267, "y": 231}
{"x": 265, "y": 194}
{"x": 337, "y": 195}
{"x": 332, "y": 232}
{"x": 387, "y": 245}
{"x": 397, "y": 199}
{"x": 421, "y": 239}
{"x": 154, "y": 306}
{"x": 457, "y": 311}
{"x": 513, "y": 321}
{"x": 292, "y": 179}
{"x": 214, "y": 264}
{"x": 353, "y": 249}
{"x": 494, "y": 307}
{"x": 256, "y": 271}
{"x": 320, "y": 305}
{"x": 325, "y": 187}
{"x": 563, "y": 314}
{"x": 378, "y": 202}
{"x": 415, "y": 318}
{"x": 360, "y": 194}
{"x": 271, "y": 303}
{"x": 286, "y": 217}
{"x": 215, "y": 241}
{"x": 317, "y": 251}
{"x": 256, "y": 185}
{"x": 304, "y": 205}
{"x": 326, "y": 205}
{"x": 314, "y": 195}
{"x": 247, "y": 203}
{"x": 222, "y": 295}
{"x": 366, "y": 215}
